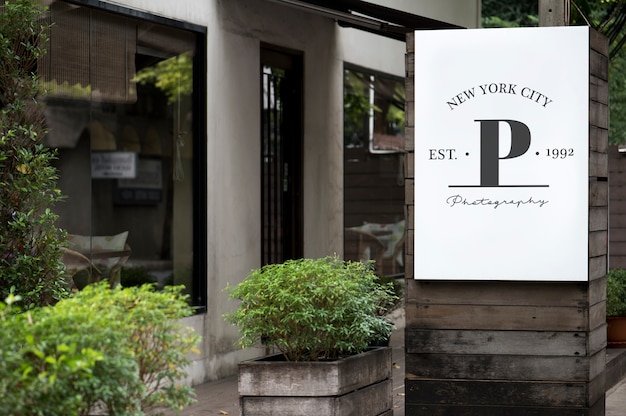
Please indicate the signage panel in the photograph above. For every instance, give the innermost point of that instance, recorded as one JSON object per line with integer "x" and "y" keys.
{"x": 501, "y": 154}
{"x": 112, "y": 165}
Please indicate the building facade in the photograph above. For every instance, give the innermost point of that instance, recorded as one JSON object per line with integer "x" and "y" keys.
{"x": 201, "y": 139}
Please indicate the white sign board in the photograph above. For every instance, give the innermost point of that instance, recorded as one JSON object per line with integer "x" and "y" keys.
{"x": 109, "y": 165}
{"x": 501, "y": 154}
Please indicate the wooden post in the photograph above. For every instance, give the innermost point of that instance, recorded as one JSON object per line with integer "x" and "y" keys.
{"x": 512, "y": 348}
{"x": 554, "y": 12}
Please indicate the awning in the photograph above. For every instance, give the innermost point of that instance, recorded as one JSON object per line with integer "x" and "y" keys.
{"x": 370, "y": 17}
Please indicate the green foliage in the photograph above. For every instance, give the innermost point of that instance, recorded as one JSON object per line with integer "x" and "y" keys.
{"x": 312, "y": 309}
{"x": 122, "y": 350}
{"x": 511, "y": 13}
{"x": 398, "y": 289}
{"x": 606, "y": 16}
{"x": 616, "y": 292}
{"x": 173, "y": 76}
{"x": 62, "y": 360}
{"x": 356, "y": 107}
{"x": 30, "y": 257}
{"x": 617, "y": 94}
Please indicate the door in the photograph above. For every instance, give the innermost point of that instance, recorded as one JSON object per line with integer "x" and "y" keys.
{"x": 281, "y": 155}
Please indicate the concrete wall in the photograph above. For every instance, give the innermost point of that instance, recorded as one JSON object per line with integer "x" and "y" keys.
{"x": 235, "y": 31}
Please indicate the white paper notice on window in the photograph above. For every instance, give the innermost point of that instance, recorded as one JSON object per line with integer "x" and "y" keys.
{"x": 501, "y": 154}
{"x": 113, "y": 165}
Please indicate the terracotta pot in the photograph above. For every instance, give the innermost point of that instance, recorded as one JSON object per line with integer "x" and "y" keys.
{"x": 616, "y": 331}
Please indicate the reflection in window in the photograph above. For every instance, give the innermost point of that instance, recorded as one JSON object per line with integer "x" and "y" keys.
{"x": 373, "y": 112}
{"x": 373, "y": 170}
{"x": 120, "y": 111}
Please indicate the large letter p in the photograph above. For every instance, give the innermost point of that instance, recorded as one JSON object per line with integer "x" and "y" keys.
{"x": 490, "y": 148}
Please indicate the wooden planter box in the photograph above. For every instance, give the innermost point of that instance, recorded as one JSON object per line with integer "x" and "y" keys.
{"x": 359, "y": 385}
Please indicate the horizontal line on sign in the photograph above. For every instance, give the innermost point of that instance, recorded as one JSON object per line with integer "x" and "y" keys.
{"x": 498, "y": 186}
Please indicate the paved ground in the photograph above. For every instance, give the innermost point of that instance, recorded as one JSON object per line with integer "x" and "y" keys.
{"x": 616, "y": 400}
{"x": 220, "y": 397}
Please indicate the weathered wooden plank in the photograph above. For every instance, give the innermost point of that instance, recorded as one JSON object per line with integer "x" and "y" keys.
{"x": 598, "y": 65}
{"x": 409, "y": 113}
{"x": 598, "y": 139}
{"x": 496, "y": 393}
{"x": 409, "y": 87}
{"x": 616, "y": 219}
{"x": 598, "y": 165}
{"x": 377, "y": 194}
{"x": 408, "y": 271}
{"x": 617, "y": 235}
{"x": 409, "y": 63}
{"x": 597, "y": 339}
{"x": 410, "y": 42}
{"x": 598, "y": 42}
{"x": 597, "y": 267}
{"x": 384, "y": 208}
{"x": 410, "y": 165}
{"x": 597, "y": 316}
{"x": 598, "y": 219}
{"x": 598, "y": 243}
{"x": 598, "y": 193}
{"x": 598, "y": 90}
{"x": 371, "y": 401}
{"x": 500, "y": 317}
{"x": 596, "y": 390}
{"x": 618, "y": 261}
{"x": 410, "y": 209}
{"x": 497, "y": 367}
{"x": 460, "y": 410}
{"x": 409, "y": 141}
{"x": 597, "y": 364}
{"x": 499, "y": 293}
{"x": 617, "y": 223}
{"x": 599, "y": 114}
{"x": 359, "y": 163}
{"x": 597, "y": 291}
{"x": 450, "y": 341}
{"x": 409, "y": 191}
{"x": 618, "y": 249}
{"x": 553, "y": 13}
{"x": 617, "y": 196}
{"x": 409, "y": 244}
{"x": 273, "y": 377}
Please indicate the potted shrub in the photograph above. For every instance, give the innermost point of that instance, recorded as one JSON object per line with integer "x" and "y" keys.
{"x": 616, "y": 307}
{"x": 321, "y": 315}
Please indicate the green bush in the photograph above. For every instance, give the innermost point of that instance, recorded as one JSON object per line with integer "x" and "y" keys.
{"x": 123, "y": 350}
{"x": 616, "y": 292}
{"x": 312, "y": 309}
{"x": 62, "y": 360}
{"x": 30, "y": 242}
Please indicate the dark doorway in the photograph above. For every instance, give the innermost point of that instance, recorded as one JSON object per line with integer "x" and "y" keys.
{"x": 281, "y": 155}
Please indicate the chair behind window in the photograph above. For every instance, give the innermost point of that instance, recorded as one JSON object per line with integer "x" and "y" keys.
{"x": 106, "y": 253}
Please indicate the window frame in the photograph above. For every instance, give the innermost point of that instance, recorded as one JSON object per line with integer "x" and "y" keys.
{"x": 199, "y": 169}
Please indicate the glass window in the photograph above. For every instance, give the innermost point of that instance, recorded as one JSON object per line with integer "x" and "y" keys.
{"x": 373, "y": 169}
{"x": 122, "y": 108}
